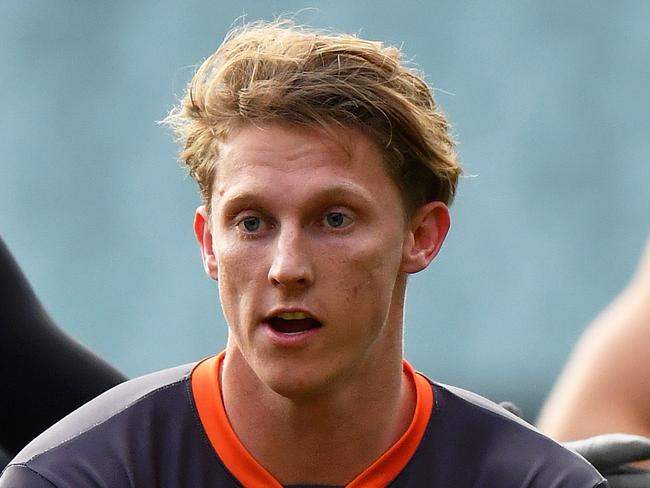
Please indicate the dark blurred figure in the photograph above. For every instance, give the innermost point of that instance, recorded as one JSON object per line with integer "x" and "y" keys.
{"x": 46, "y": 374}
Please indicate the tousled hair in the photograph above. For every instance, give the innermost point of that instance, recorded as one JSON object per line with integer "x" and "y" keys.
{"x": 278, "y": 71}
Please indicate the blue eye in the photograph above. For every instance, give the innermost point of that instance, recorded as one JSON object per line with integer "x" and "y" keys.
{"x": 251, "y": 224}
{"x": 337, "y": 220}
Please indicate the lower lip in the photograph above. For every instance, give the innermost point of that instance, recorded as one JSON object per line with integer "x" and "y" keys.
{"x": 297, "y": 339}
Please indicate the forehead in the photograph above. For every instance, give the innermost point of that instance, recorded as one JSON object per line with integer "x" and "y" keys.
{"x": 278, "y": 155}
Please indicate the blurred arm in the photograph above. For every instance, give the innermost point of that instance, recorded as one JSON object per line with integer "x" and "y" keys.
{"x": 605, "y": 386}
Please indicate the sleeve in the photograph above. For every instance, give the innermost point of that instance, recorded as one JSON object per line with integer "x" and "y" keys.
{"x": 20, "y": 476}
{"x": 45, "y": 373}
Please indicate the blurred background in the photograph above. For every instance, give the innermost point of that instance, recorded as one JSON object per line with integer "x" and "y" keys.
{"x": 550, "y": 103}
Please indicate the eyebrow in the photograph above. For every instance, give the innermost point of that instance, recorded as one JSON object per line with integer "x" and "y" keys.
{"x": 337, "y": 190}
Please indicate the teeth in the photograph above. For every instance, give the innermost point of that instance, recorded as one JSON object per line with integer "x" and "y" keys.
{"x": 293, "y": 315}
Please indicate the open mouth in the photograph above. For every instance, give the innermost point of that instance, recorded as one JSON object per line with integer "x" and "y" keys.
{"x": 293, "y": 322}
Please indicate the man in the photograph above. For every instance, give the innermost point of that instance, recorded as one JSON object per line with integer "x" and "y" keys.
{"x": 326, "y": 170}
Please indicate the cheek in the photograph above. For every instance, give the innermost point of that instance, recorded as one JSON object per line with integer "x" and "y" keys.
{"x": 236, "y": 262}
{"x": 367, "y": 268}
{"x": 238, "y": 275}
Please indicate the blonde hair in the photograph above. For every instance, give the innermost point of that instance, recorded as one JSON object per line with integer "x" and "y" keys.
{"x": 279, "y": 71}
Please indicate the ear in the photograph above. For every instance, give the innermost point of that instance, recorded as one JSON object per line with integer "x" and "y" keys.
{"x": 203, "y": 235}
{"x": 427, "y": 231}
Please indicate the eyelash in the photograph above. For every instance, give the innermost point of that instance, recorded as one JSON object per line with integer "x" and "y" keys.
{"x": 347, "y": 220}
{"x": 240, "y": 221}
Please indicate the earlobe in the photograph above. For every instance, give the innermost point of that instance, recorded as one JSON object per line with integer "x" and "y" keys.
{"x": 428, "y": 228}
{"x": 203, "y": 234}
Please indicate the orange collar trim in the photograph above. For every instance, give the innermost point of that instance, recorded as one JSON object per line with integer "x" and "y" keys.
{"x": 242, "y": 465}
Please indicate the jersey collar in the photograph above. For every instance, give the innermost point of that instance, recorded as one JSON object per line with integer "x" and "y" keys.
{"x": 206, "y": 390}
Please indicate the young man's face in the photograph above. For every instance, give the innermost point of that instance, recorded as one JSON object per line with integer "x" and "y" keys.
{"x": 308, "y": 240}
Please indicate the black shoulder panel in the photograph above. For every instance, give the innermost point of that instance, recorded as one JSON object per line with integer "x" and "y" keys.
{"x": 472, "y": 442}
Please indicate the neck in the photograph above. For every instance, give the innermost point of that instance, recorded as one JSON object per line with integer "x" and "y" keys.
{"x": 325, "y": 438}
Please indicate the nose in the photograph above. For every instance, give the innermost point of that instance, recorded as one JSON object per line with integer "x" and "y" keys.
{"x": 291, "y": 266}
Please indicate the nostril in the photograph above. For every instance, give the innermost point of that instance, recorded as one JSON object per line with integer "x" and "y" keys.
{"x": 279, "y": 282}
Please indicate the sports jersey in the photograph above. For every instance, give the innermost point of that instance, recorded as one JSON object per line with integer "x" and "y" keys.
{"x": 170, "y": 429}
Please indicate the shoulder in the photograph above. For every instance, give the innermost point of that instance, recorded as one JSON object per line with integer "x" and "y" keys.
{"x": 507, "y": 447}
{"x": 107, "y": 433}
{"x": 474, "y": 442}
{"x": 118, "y": 403}
{"x": 16, "y": 475}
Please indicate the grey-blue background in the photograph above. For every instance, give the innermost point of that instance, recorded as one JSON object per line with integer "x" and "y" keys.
{"x": 550, "y": 101}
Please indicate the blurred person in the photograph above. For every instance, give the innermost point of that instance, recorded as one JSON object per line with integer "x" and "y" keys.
{"x": 326, "y": 170}
{"x": 605, "y": 386}
{"x": 46, "y": 374}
